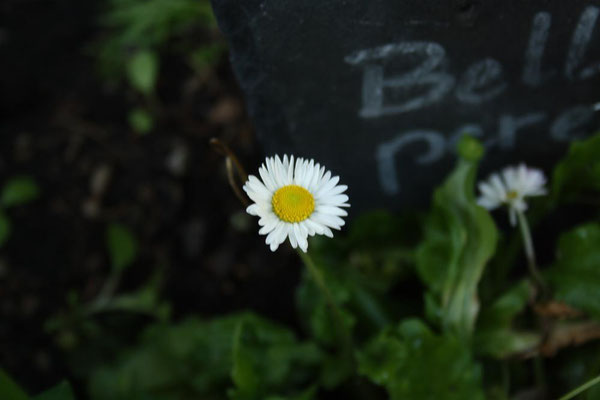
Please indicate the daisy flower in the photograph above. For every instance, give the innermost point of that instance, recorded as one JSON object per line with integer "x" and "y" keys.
{"x": 295, "y": 198}
{"x": 511, "y": 189}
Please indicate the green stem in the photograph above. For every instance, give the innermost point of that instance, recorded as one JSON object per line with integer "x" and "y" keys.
{"x": 345, "y": 336}
{"x": 529, "y": 251}
{"x": 581, "y": 388}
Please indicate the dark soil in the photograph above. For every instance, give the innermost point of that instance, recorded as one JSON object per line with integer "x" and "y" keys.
{"x": 63, "y": 126}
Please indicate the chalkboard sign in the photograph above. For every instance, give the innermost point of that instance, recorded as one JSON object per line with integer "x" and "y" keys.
{"x": 380, "y": 90}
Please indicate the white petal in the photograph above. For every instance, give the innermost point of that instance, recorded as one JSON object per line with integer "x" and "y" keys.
{"x": 332, "y": 210}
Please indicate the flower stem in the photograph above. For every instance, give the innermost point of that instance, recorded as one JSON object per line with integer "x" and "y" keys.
{"x": 581, "y": 388}
{"x": 529, "y": 251}
{"x": 347, "y": 344}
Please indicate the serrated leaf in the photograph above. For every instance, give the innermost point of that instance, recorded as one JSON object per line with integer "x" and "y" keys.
{"x": 62, "y": 391}
{"x": 17, "y": 191}
{"x": 460, "y": 238}
{"x": 122, "y": 246}
{"x": 575, "y": 276}
{"x": 9, "y": 389}
{"x": 5, "y": 227}
{"x": 142, "y": 71}
{"x": 413, "y": 363}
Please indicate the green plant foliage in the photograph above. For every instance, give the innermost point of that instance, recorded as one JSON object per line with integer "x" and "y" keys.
{"x": 196, "y": 359}
{"x": 575, "y": 276}
{"x": 267, "y": 358}
{"x": 413, "y": 363}
{"x": 145, "y": 25}
{"x": 495, "y": 335}
{"x": 122, "y": 246}
{"x": 62, "y": 391}
{"x": 18, "y": 191}
{"x": 141, "y": 121}
{"x": 9, "y": 389}
{"x": 579, "y": 172}
{"x": 5, "y": 227}
{"x": 142, "y": 71}
{"x": 460, "y": 238}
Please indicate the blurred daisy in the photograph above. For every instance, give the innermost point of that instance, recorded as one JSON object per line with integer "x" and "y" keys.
{"x": 295, "y": 199}
{"x": 511, "y": 189}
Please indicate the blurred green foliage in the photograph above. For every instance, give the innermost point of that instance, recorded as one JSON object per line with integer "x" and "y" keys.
{"x": 9, "y": 390}
{"x": 410, "y": 295}
{"x": 16, "y": 191}
{"x": 122, "y": 246}
{"x": 138, "y": 31}
{"x": 576, "y": 273}
{"x": 413, "y": 363}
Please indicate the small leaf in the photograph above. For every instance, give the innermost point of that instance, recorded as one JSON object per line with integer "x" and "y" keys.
{"x": 575, "y": 275}
{"x": 122, "y": 246}
{"x": 9, "y": 389}
{"x": 5, "y": 227}
{"x": 142, "y": 70}
{"x": 19, "y": 191}
{"x": 141, "y": 121}
{"x": 579, "y": 171}
{"x": 62, "y": 391}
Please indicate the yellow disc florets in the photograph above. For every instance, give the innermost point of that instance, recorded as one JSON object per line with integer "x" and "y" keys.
{"x": 293, "y": 203}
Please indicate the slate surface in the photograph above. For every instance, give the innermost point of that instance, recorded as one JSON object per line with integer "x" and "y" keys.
{"x": 379, "y": 90}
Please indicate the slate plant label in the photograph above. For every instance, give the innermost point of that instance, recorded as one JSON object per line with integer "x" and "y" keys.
{"x": 381, "y": 90}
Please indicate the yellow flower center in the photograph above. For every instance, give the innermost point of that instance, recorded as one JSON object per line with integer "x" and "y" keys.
{"x": 512, "y": 195}
{"x": 293, "y": 203}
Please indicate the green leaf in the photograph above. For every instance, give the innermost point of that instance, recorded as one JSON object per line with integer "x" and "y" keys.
{"x": 19, "y": 190}
{"x": 142, "y": 71}
{"x": 9, "y": 389}
{"x": 141, "y": 121}
{"x": 62, "y": 391}
{"x": 460, "y": 238}
{"x": 267, "y": 359}
{"x": 5, "y": 227}
{"x": 122, "y": 246}
{"x": 495, "y": 335}
{"x": 575, "y": 276}
{"x": 413, "y": 363}
{"x": 194, "y": 359}
{"x": 579, "y": 171}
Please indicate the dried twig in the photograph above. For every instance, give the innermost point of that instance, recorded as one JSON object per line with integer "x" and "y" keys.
{"x": 233, "y": 167}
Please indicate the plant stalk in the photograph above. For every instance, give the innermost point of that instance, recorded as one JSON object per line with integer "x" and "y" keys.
{"x": 529, "y": 251}
{"x": 347, "y": 344}
{"x": 581, "y": 388}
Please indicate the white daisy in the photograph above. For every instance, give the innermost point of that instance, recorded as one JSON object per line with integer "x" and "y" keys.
{"x": 511, "y": 189}
{"x": 295, "y": 199}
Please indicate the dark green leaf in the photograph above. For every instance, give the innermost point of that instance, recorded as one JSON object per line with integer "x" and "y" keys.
{"x": 62, "y": 391}
{"x": 413, "y": 363}
{"x": 9, "y": 389}
{"x": 575, "y": 275}
{"x": 19, "y": 191}
{"x": 195, "y": 359}
{"x": 141, "y": 121}
{"x": 495, "y": 335}
{"x": 142, "y": 70}
{"x": 5, "y": 227}
{"x": 579, "y": 171}
{"x": 460, "y": 238}
{"x": 122, "y": 246}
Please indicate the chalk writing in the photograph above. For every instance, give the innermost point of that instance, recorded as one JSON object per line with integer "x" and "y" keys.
{"x": 430, "y": 82}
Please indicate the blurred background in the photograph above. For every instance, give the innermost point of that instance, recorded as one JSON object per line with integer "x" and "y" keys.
{"x": 115, "y": 212}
